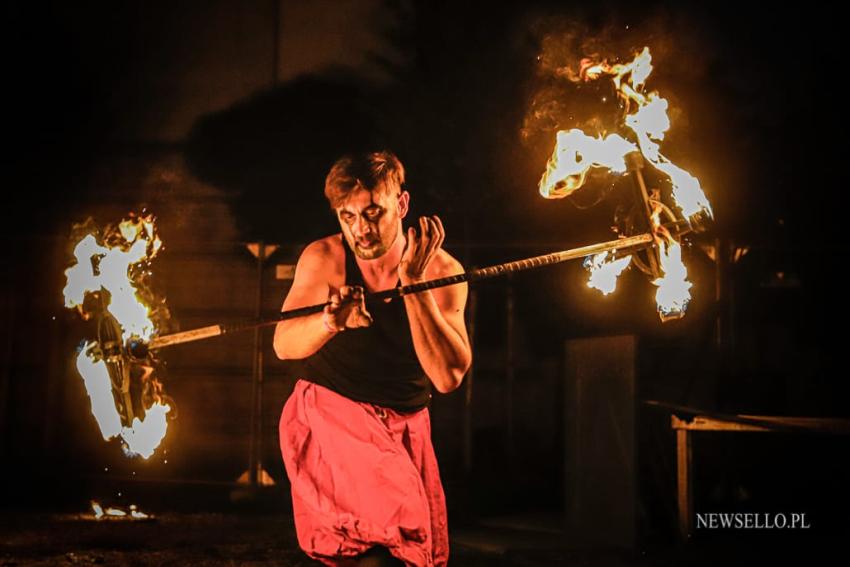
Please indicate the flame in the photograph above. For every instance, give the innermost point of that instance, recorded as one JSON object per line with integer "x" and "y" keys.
{"x": 134, "y": 512}
{"x": 646, "y": 117}
{"x": 687, "y": 192}
{"x": 99, "y": 387}
{"x": 604, "y": 271}
{"x": 100, "y": 267}
{"x": 145, "y": 435}
{"x": 100, "y": 512}
{"x": 108, "y": 266}
{"x": 673, "y": 292}
{"x": 575, "y": 152}
{"x": 81, "y": 277}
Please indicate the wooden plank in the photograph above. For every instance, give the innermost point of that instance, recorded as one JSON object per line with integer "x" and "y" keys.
{"x": 824, "y": 424}
{"x": 710, "y": 424}
{"x": 771, "y": 424}
{"x": 700, "y": 420}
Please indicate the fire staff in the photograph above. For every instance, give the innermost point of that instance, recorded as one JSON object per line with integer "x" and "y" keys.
{"x": 355, "y": 434}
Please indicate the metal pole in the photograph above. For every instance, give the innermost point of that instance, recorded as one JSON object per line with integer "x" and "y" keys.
{"x": 255, "y": 451}
{"x": 635, "y": 163}
{"x": 620, "y": 246}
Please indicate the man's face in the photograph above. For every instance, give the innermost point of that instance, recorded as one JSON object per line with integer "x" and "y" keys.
{"x": 371, "y": 220}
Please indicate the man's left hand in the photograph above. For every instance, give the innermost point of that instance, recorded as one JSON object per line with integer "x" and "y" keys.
{"x": 420, "y": 249}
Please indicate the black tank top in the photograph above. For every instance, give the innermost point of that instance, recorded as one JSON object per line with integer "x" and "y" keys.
{"x": 376, "y": 364}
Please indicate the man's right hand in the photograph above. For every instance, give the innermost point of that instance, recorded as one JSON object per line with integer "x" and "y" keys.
{"x": 347, "y": 310}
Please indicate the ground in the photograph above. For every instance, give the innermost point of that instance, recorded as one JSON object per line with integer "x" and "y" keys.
{"x": 263, "y": 538}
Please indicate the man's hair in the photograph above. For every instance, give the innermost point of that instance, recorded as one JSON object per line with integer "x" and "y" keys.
{"x": 372, "y": 170}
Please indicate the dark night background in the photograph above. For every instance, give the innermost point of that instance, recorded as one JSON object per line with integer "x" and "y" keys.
{"x": 222, "y": 118}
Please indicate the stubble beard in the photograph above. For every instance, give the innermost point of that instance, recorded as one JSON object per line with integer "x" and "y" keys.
{"x": 379, "y": 249}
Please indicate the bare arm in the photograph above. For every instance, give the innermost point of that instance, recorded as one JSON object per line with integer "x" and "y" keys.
{"x": 436, "y": 316}
{"x": 303, "y": 336}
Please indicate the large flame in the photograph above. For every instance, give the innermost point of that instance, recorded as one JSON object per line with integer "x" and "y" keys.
{"x": 99, "y": 387}
{"x": 105, "y": 266}
{"x": 576, "y": 153}
{"x": 144, "y": 436}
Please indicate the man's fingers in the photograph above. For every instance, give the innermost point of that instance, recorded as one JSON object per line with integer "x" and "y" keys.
{"x": 347, "y": 309}
{"x": 349, "y": 293}
{"x": 335, "y": 302}
{"x": 410, "y": 249}
{"x": 435, "y": 240}
{"x": 364, "y": 318}
{"x": 433, "y": 228}
{"x": 429, "y": 243}
{"x": 421, "y": 248}
{"x": 440, "y": 230}
{"x": 358, "y": 316}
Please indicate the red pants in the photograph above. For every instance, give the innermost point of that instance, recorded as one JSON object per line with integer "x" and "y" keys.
{"x": 362, "y": 476}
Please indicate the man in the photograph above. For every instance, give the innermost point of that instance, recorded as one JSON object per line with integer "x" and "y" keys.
{"x": 355, "y": 434}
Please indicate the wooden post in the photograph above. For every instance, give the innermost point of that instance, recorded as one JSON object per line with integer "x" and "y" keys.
{"x": 684, "y": 467}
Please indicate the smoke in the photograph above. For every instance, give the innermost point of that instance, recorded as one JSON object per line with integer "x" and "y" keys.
{"x": 561, "y": 100}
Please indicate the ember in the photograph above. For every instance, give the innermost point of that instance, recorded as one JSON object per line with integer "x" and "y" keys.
{"x": 111, "y": 513}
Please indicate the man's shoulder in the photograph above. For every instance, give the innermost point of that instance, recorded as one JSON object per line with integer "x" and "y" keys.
{"x": 324, "y": 256}
{"x": 446, "y": 265}
{"x": 324, "y": 249}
